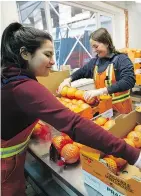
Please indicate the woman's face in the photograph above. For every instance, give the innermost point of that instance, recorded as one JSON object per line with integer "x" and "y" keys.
{"x": 42, "y": 60}
{"x": 100, "y": 48}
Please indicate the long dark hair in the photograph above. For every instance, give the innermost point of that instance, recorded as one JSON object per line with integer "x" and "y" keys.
{"x": 102, "y": 35}
{"x": 15, "y": 37}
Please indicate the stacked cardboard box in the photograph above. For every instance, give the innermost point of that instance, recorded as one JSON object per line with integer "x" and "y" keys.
{"x": 135, "y": 56}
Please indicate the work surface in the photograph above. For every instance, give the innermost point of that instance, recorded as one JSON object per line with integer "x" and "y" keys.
{"x": 70, "y": 177}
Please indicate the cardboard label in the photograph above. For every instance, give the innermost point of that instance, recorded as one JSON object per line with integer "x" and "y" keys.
{"x": 99, "y": 186}
{"x": 137, "y": 60}
{"x": 107, "y": 114}
{"x": 119, "y": 182}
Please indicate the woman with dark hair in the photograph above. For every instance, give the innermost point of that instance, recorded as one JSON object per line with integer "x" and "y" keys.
{"x": 26, "y": 53}
{"x": 112, "y": 72}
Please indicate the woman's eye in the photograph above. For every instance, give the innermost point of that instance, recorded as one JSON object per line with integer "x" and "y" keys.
{"x": 48, "y": 55}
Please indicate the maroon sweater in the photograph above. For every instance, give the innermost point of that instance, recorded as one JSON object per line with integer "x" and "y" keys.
{"x": 26, "y": 100}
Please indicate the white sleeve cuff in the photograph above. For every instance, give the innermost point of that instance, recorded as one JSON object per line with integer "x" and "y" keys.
{"x": 138, "y": 162}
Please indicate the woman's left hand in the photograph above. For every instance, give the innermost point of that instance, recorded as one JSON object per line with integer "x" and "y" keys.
{"x": 88, "y": 95}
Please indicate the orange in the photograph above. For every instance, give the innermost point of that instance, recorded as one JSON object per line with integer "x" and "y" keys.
{"x": 73, "y": 107}
{"x": 111, "y": 165}
{"x": 138, "y": 128}
{"x": 37, "y": 128}
{"x": 105, "y": 128}
{"x": 77, "y": 110}
{"x": 79, "y": 102}
{"x": 60, "y": 141}
{"x": 74, "y": 101}
{"x": 130, "y": 142}
{"x": 138, "y": 109}
{"x": 66, "y": 99}
{"x": 119, "y": 161}
{"x": 135, "y": 137}
{"x": 109, "y": 124}
{"x": 84, "y": 106}
{"x": 79, "y": 94}
{"x": 70, "y": 153}
{"x": 71, "y": 92}
{"x": 100, "y": 121}
{"x": 78, "y": 145}
{"x": 64, "y": 91}
{"x": 69, "y": 105}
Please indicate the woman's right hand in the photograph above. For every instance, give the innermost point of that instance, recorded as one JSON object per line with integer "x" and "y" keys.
{"x": 66, "y": 82}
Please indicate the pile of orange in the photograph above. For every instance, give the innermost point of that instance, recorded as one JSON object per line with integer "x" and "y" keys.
{"x": 105, "y": 123}
{"x": 74, "y": 104}
{"x": 74, "y": 93}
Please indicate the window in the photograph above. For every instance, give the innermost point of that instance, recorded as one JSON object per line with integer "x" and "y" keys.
{"x": 106, "y": 22}
{"x": 71, "y": 27}
{"x": 32, "y": 13}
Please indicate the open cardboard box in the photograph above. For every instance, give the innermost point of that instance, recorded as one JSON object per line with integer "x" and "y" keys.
{"x": 99, "y": 177}
{"x": 54, "y": 79}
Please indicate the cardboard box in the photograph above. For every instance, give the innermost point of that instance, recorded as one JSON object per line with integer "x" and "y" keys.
{"x": 54, "y": 79}
{"x": 138, "y": 79}
{"x": 137, "y": 66}
{"x": 99, "y": 177}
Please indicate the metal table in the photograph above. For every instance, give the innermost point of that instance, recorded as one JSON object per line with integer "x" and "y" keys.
{"x": 70, "y": 179}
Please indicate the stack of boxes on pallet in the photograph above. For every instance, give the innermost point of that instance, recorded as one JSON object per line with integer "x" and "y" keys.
{"x": 135, "y": 56}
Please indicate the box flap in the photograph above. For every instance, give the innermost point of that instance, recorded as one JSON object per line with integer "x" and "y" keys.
{"x": 54, "y": 79}
{"x": 125, "y": 123}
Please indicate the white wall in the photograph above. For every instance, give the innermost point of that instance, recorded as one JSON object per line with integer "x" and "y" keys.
{"x": 9, "y": 13}
{"x": 135, "y": 26}
{"x": 134, "y": 21}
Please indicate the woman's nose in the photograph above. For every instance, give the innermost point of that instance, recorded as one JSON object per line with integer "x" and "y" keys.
{"x": 52, "y": 61}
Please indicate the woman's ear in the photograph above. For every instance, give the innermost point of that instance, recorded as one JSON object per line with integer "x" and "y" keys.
{"x": 24, "y": 53}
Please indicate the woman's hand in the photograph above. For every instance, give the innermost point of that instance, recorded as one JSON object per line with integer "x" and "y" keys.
{"x": 88, "y": 95}
{"x": 66, "y": 82}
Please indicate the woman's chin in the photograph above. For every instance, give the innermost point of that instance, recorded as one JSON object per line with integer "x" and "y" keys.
{"x": 44, "y": 74}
